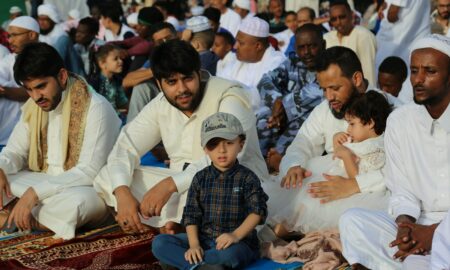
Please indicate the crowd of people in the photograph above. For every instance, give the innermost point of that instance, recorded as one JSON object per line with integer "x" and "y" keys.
{"x": 269, "y": 120}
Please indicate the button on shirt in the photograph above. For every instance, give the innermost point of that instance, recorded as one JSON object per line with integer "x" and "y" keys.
{"x": 218, "y": 202}
{"x": 418, "y": 163}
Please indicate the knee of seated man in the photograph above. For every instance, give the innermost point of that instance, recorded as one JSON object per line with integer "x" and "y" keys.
{"x": 350, "y": 217}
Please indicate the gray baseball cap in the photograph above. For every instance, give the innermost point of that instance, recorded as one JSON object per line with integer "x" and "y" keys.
{"x": 220, "y": 125}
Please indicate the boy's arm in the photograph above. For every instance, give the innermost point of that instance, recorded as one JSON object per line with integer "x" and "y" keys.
{"x": 350, "y": 166}
{"x": 227, "y": 239}
{"x": 192, "y": 234}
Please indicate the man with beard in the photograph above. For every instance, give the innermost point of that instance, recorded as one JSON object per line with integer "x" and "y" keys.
{"x": 417, "y": 143}
{"x": 440, "y": 16}
{"x": 340, "y": 75}
{"x": 56, "y": 149}
{"x": 22, "y": 31}
{"x": 156, "y": 196}
{"x": 289, "y": 93}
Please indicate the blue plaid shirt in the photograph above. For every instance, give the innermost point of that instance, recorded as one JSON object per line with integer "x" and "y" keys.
{"x": 219, "y": 202}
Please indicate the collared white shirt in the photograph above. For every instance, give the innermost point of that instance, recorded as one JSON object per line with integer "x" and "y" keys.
{"x": 102, "y": 128}
{"x": 249, "y": 74}
{"x": 231, "y": 21}
{"x": 363, "y": 43}
{"x": 159, "y": 120}
{"x": 9, "y": 109}
{"x": 418, "y": 163}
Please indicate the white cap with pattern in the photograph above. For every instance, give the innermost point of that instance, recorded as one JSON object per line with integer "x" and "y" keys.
{"x": 198, "y": 24}
{"x": 255, "y": 26}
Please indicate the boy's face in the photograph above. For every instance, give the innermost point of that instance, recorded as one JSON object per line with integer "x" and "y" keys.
{"x": 357, "y": 130}
{"x": 291, "y": 22}
{"x": 220, "y": 47}
{"x": 389, "y": 83}
{"x": 225, "y": 152}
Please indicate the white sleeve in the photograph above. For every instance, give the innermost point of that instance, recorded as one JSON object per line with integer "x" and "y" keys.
{"x": 402, "y": 202}
{"x": 309, "y": 141}
{"x": 102, "y": 128}
{"x": 230, "y": 105}
{"x": 136, "y": 138}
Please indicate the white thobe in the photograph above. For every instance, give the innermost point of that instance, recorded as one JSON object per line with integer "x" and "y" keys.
{"x": 159, "y": 120}
{"x": 52, "y": 37}
{"x": 66, "y": 198}
{"x": 417, "y": 173}
{"x": 230, "y": 20}
{"x": 222, "y": 64}
{"x": 249, "y": 74}
{"x": 363, "y": 43}
{"x": 396, "y": 39}
{"x": 9, "y": 109}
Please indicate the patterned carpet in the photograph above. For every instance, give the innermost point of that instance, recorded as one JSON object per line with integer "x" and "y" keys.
{"x": 105, "y": 248}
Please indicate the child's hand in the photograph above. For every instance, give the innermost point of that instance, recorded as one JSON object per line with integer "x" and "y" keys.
{"x": 225, "y": 240}
{"x": 341, "y": 151}
{"x": 194, "y": 255}
{"x": 340, "y": 138}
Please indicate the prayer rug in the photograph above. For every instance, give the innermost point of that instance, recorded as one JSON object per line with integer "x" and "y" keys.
{"x": 105, "y": 248}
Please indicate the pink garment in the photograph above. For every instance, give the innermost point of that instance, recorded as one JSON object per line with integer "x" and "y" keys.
{"x": 319, "y": 250}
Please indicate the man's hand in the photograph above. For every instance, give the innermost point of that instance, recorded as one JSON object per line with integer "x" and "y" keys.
{"x": 128, "y": 211}
{"x": 278, "y": 118}
{"x": 403, "y": 239}
{"x": 336, "y": 187}
{"x": 294, "y": 177}
{"x": 155, "y": 199}
{"x": 194, "y": 255}
{"x": 421, "y": 237}
{"x": 225, "y": 240}
{"x": 21, "y": 213}
{"x": 4, "y": 188}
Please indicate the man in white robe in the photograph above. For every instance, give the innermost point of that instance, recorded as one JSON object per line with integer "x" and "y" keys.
{"x": 22, "y": 30}
{"x": 355, "y": 37}
{"x": 417, "y": 143}
{"x": 57, "y": 148}
{"x": 229, "y": 19}
{"x": 156, "y": 196}
{"x": 404, "y": 22}
{"x": 255, "y": 57}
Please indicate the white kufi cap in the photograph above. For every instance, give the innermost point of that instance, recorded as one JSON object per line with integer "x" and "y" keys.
{"x": 438, "y": 42}
{"x": 50, "y": 11}
{"x": 198, "y": 24}
{"x": 26, "y": 22}
{"x": 255, "y": 26}
{"x": 244, "y": 4}
{"x": 15, "y": 9}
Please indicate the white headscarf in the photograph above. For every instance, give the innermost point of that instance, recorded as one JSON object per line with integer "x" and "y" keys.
{"x": 50, "y": 11}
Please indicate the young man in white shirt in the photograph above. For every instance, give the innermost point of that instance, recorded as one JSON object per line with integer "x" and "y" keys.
{"x": 156, "y": 196}
{"x": 229, "y": 19}
{"x": 56, "y": 149}
{"x": 417, "y": 143}
{"x": 355, "y": 37}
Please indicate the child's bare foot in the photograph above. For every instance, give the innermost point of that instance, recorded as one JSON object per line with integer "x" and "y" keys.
{"x": 172, "y": 228}
{"x": 273, "y": 160}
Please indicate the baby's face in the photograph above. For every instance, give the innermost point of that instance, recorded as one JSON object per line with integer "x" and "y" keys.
{"x": 357, "y": 130}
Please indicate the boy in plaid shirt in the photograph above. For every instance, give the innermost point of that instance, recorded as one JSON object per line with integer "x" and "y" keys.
{"x": 225, "y": 203}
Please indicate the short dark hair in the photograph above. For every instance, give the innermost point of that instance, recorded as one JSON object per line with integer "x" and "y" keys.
{"x": 91, "y": 23}
{"x": 343, "y": 57}
{"x": 160, "y": 26}
{"x": 310, "y": 27}
{"x": 371, "y": 106}
{"x": 344, "y": 3}
{"x": 206, "y": 37}
{"x": 37, "y": 60}
{"x": 312, "y": 13}
{"x": 212, "y": 14}
{"x": 290, "y": 12}
{"x": 394, "y": 65}
{"x": 112, "y": 11}
{"x": 227, "y": 36}
{"x": 174, "y": 56}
